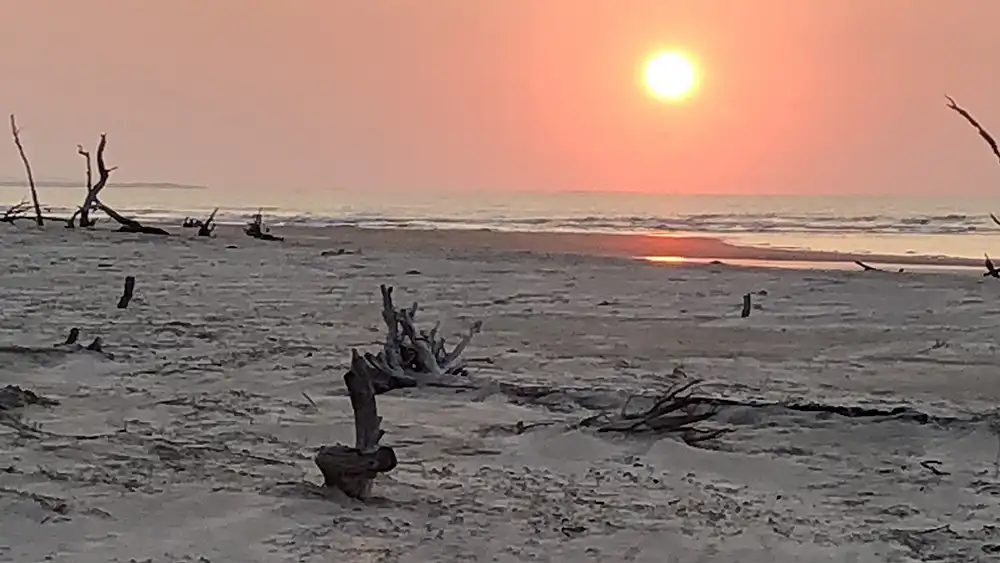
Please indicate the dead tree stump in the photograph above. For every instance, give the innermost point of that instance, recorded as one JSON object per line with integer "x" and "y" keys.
{"x": 353, "y": 470}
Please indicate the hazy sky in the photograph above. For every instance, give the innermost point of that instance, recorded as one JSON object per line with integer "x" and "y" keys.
{"x": 803, "y": 96}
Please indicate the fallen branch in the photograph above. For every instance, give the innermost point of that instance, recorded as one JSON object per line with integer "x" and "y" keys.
{"x": 27, "y": 168}
{"x": 15, "y": 212}
{"x": 353, "y": 470}
{"x": 674, "y": 411}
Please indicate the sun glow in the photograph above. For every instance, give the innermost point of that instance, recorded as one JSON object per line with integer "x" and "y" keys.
{"x": 670, "y": 75}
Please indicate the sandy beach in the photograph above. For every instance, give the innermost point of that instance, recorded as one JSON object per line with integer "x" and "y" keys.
{"x": 193, "y": 443}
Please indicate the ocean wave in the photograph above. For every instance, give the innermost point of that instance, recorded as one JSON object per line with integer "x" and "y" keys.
{"x": 703, "y": 223}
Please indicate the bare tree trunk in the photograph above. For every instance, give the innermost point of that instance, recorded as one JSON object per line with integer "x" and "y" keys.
{"x": 88, "y": 203}
{"x": 27, "y": 169}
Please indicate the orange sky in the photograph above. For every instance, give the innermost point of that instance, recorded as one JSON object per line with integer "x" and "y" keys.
{"x": 798, "y": 96}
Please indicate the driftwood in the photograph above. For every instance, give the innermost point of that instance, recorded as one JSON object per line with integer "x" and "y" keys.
{"x": 674, "y": 411}
{"x": 127, "y": 293}
{"x": 987, "y": 137}
{"x": 207, "y": 227}
{"x": 27, "y": 169}
{"x": 353, "y": 470}
{"x": 93, "y": 200}
{"x": 14, "y": 397}
{"x": 412, "y": 357}
{"x": 256, "y": 228}
{"x": 70, "y": 345}
{"x": 991, "y": 270}
{"x": 15, "y": 212}
{"x": 94, "y": 189}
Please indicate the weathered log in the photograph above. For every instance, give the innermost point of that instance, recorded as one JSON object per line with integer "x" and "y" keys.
{"x": 353, "y": 470}
{"x": 207, "y": 227}
{"x": 128, "y": 225}
{"x": 27, "y": 169}
{"x": 127, "y": 293}
{"x": 256, "y": 228}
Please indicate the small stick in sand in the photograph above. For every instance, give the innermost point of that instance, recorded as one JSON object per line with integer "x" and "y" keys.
{"x": 311, "y": 401}
{"x": 127, "y": 294}
{"x": 27, "y": 169}
{"x": 746, "y": 306}
{"x": 868, "y": 268}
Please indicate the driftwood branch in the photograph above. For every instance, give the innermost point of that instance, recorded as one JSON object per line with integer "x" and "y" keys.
{"x": 676, "y": 410}
{"x": 412, "y": 357}
{"x": 991, "y": 270}
{"x": 256, "y": 228}
{"x": 207, "y": 227}
{"x": 953, "y": 105}
{"x": 27, "y": 169}
{"x": 353, "y": 470}
{"x": 70, "y": 345}
{"x": 15, "y": 212}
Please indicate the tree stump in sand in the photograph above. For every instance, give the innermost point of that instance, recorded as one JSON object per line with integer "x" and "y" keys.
{"x": 353, "y": 470}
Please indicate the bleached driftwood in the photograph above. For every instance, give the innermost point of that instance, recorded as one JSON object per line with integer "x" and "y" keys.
{"x": 27, "y": 169}
{"x": 676, "y": 410}
{"x": 412, "y": 357}
{"x": 256, "y": 228}
{"x": 353, "y": 470}
{"x": 15, "y": 212}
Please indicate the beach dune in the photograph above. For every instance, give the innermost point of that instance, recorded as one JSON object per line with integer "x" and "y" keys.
{"x": 193, "y": 440}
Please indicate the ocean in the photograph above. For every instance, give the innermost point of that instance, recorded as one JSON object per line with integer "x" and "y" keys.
{"x": 896, "y": 225}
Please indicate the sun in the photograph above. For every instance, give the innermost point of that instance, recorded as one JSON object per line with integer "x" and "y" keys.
{"x": 670, "y": 75}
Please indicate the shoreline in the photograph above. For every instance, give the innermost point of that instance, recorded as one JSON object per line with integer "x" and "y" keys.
{"x": 666, "y": 249}
{"x": 658, "y": 248}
